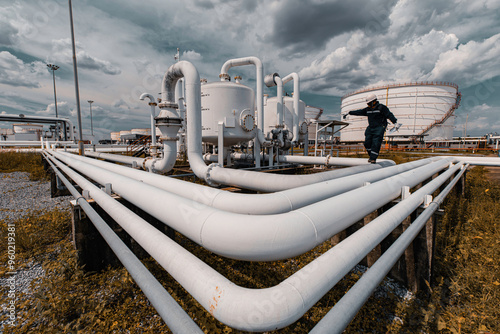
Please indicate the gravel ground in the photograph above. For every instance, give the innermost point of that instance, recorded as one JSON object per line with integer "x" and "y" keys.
{"x": 18, "y": 197}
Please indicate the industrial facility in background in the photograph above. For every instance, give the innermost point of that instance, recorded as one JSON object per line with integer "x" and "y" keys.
{"x": 425, "y": 109}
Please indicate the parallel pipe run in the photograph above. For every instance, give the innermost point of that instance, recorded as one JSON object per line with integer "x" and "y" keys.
{"x": 339, "y": 317}
{"x": 174, "y": 316}
{"x": 257, "y": 204}
{"x": 264, "y": 237}
{"x": 258, "y": 309}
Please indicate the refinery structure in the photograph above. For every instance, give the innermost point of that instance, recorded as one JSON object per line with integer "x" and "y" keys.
{"x": 425, "y": 110}
{"x": 226, "y": 135}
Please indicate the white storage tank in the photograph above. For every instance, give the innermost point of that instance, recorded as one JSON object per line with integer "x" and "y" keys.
{"x": 271, "y": 119}
{"x": 27, "y": 131}
{"x": 425, "y": 110}
{"x": 231, "y": 103}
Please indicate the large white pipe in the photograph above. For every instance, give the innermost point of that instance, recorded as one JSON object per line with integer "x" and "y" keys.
{"x": 174, "y": 316}
{"x": 264, "y": 237}
{"x": 296, "y": 100}
{"x": 326, "y": 161}
{"x": 39, "y": 119}
{"x": 273, "y": 203}
{"x": 339, "y": 317}
{"x": 258, "y": 309}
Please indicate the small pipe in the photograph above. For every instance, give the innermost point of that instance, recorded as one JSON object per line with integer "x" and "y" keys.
{"x": 152, "y": 103}
{"x": 174, "y": 316}
{"x": 296, "y": 102}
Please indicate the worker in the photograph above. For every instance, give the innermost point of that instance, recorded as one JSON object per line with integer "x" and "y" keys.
{"x": 377, "y": 114}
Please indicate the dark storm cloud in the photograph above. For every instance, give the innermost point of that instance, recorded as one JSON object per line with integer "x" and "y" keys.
{"x": 303, "y": 26}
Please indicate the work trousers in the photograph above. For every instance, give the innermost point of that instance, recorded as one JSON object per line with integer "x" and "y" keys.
{"x": 374, "y": 136}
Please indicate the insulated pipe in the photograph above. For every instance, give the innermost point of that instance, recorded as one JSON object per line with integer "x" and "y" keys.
{"x": 253, "y": 309}
{"x": 257, "y": 204}
{"x": 164, "y": 164}
{"x": 476, "y": 161}
{"x": 339, "y": 317}
{"x": 326, "y": 161}
{"x": 296, "y": 100}
{"x": 174, "y": 316}
{"x": 152, "y": 103}
{"x": 265, "y": 237}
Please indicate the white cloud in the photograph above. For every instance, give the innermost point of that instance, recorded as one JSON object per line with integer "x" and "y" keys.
{"x": 191, "y": 55}
{"x": 14, "y": 72}
{"x": 62, "y": 52}
{"x": 63, "y": 110}
{"x": 470, "y": 63}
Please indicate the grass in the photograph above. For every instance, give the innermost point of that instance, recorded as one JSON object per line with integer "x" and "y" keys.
{"x": 23, "y": 162}
{"x": 465, "y": 297}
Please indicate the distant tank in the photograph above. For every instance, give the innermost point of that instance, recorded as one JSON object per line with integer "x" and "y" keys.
{"x": 425, "y": 109}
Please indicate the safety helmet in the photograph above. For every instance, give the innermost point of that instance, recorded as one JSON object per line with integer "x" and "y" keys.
{"x": 371, "y": 98}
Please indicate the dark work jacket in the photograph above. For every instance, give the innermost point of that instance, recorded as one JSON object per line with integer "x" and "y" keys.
{"x": 377, "y": 116}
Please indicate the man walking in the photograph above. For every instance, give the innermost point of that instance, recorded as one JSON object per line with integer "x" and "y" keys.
{"x": 377, "y": 114}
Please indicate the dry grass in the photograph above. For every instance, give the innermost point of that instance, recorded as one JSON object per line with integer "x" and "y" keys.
{"x": 23, "y": 162}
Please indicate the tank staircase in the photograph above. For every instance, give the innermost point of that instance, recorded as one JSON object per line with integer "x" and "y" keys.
{"x": 447, "y": 115}
{"x": 139, "y": 146}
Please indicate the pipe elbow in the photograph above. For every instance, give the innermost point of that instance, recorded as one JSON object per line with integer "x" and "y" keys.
{"x": 146, "y": 95}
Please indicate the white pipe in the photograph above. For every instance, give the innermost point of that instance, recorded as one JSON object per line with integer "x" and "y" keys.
{"x": 152, "y": 103}
{"x": 257, "y": 204}
{"x": 296, "y": 100}
{"x": 174, "y": 316}
{"x": 157, "y": 165}
{"x": 339, "y": 317}
{"x": 39, "y": 119}
{"x": 476, "y": 161}
{"x": 253, "y": 309}
{"x": 327, "y": 161}
{"x": 264, "y": 237}
{"x": 259, "y": 78}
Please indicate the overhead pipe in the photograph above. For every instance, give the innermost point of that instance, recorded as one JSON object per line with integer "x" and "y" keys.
{"x": 296, "y": 100}
{"x": 153, "y": 104}
{"x": 259, "y": 78}
{"x": 263, "y": 237}
{"x": 339, "y": 317}
{"x": 257, "y": 204}
{"x": 258, "y": 309}
{"x": 169, "y": 310}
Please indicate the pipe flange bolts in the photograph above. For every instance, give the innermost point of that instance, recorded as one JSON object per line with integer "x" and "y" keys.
{"x": 168, "y": 104}
{"x": 327, "y": 159}
{"x": 225, "y": 77}
{"x": 247, "y": 120}
{"x": 169, "y": 138}
{"x": 303, "y": 128}
{"x": 207, "y": 175}
{"x": 168, "y": 121}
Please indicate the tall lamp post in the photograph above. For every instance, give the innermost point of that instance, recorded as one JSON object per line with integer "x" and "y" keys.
{"x": 91, "y": 125}
{"x": 53, "y": 68}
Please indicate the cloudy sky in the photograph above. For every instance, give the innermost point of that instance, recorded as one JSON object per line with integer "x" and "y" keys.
{"x": 124, "y": 48}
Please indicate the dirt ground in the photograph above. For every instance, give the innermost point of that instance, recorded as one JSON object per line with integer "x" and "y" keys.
{"x": 493, "y": 174}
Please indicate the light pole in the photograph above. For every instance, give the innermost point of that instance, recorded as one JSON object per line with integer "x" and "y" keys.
{"x": 91, "y": 125}
{"x": 54, "y": 68}
{"x": 77, "y": 92}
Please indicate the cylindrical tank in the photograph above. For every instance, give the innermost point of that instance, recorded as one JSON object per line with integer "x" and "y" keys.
{"x": 425, "y": 109}
{"x": 141, "y": 132}
{"x": 234, "y": 105}
{"x": 115, "y": 136}
{"x": 271, "y": 119}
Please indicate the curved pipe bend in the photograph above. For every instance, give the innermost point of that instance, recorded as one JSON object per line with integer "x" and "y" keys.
{"x": 260, "y": 309}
